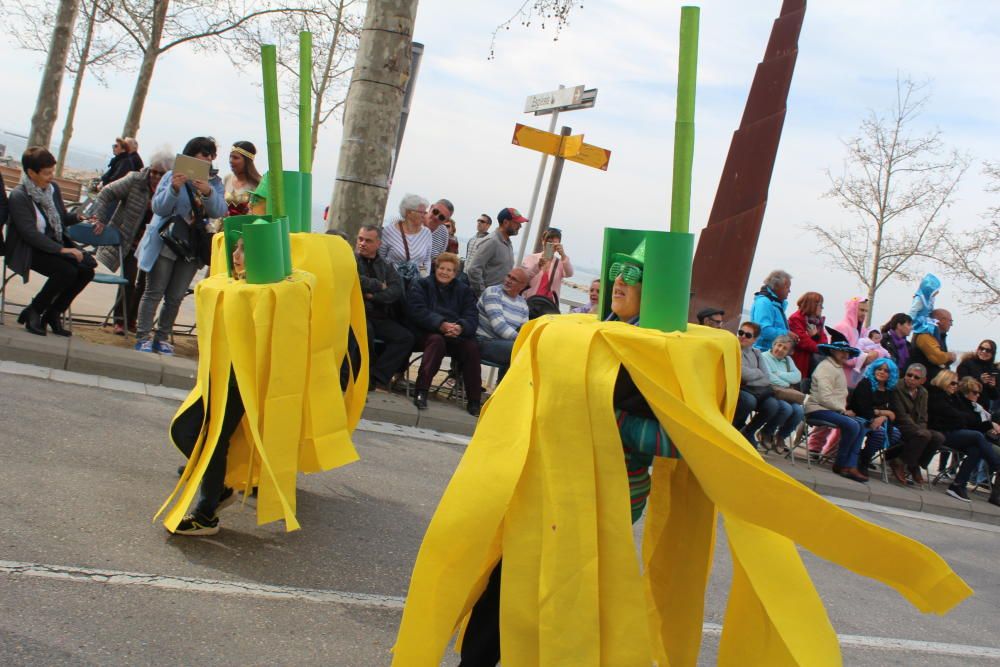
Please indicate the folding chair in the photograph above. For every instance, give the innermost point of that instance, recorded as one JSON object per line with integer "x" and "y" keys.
{"x": 803, "y": 440}
{"x": 3, "y": 290}
{"x": 83, "y": 233}
{"x": 954, "y": 462}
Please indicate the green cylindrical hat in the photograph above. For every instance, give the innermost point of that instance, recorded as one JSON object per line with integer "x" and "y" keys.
{"x": 637, "y": 257}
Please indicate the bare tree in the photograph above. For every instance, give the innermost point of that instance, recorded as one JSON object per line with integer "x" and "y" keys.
{"x": 972, "y": 257}
{"x": 156, "y": 26}
{"x": 336, "y": 29}
{"x": 43, "y": 120}
{"x": 545, "y": 12}
{"x": 897, "y": 183}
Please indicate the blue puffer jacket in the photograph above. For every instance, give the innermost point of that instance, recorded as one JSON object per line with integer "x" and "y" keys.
{"x": 167, "y": 203}
{"x": 769, "y": 312}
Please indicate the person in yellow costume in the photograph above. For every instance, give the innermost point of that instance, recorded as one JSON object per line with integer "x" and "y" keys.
{"x": 548, "y": 492}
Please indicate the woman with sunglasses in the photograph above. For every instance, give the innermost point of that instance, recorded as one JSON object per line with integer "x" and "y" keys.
{"x": 169, "y": 276}
{"x": 756, "y": 393}
{"x": 964, "y": 431}
{"x": 125, "y": 205}
{"x": 981, "y": 365}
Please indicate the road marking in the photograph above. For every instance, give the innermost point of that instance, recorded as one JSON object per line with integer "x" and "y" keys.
{"x": 910, "y": 514}
{"x": 244, "y": 588}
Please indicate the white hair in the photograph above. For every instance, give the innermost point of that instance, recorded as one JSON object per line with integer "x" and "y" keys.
{"x": 162, "y": 160}
{"x": 776, "y": 279}
{"x": 410, "y": 203}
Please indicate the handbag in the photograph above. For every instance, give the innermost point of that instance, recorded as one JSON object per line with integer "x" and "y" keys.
{"x": 185, "y": 240}
{"x": 407, "y": 270}
{"x": 788, "y": 394}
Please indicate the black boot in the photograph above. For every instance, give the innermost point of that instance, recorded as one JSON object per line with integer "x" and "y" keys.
{"x": 420, "y": 400}
{"x": 995, "y": 492}
{"x": 32, "y": 321}
{"x": 53, "y": 320}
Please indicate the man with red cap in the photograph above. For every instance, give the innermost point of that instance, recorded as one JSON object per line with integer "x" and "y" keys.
{"x": 494, "y": 256}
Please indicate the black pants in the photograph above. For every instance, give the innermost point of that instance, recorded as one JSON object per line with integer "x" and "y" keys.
{"x": 185, "y": 431}
{"x": 397, "y": 340}
{"x": 133, "y": 292}
{"x": 66, "y": 279}
{"x": 481, "y": 643}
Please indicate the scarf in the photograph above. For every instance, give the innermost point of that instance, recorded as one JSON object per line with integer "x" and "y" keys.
{"x": 43, "y": 200}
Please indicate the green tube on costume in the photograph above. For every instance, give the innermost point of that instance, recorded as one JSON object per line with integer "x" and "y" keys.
{"x": 687, "y": 76}
{"x": 262, "y": 247}
{"x": 276, "y": 195}
{"x": 305, "y": 102}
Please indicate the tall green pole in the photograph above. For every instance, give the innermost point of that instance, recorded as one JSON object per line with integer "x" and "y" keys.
{"x": 687, "y": 75}
{"x": 305, "y": 102}
{"x": 276, "y": 177}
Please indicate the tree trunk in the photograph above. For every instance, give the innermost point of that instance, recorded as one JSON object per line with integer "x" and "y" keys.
{"x": 371, "y": 115}
{"x": 325, "y": 79}
{"x": 876, "y": 261}
{"x": 74, "y": 98}
{"x": 149, "y": 56}
{"x": 47, "y": 105}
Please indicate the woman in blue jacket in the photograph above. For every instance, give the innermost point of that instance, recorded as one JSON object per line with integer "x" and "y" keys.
{"x": 168, "y": 276}
{"x": 444, "y": 316}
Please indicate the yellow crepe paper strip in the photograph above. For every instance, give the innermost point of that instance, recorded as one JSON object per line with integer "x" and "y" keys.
{"x": 543, "y": 483}
{"x": 286, "y": 342}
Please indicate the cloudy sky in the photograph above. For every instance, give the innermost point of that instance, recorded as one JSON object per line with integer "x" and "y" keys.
{"x": 458, "y": 146}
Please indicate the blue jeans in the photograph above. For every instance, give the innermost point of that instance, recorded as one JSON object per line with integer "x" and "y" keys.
{"x": 745, "y": 404}
{"x": 769, "y": 412}
{"x": 497, "y": 351}
{"x": 976, "y": 448}
{"x": 793, "y": 416}
{"x": 852, "y": 432}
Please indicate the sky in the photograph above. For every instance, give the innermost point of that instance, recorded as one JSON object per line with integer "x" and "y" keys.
{"x": 458, "y": 136}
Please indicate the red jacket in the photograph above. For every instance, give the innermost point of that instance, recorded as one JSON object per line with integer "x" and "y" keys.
{"x": 807, "y": 345}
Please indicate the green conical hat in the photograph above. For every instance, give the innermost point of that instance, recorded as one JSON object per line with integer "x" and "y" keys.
{"x": 638, "y": 256}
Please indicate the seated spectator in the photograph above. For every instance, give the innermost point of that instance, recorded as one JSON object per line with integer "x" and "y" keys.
{"x": 443, "y": 313}
{"x": 785, "y": 379}
{"x": 37, "y": 241}
{"x": 4, "y": 214}
{"x": 827, "y": 401}
{"x": 894, "y": 339}
{"x": 383, "y": 293}
{"x": 755, "y": 390}
{"x": 130, "y": 200}
{"x": 406, "y": 243}
{"x": 452, "y": 239}
{"x": 808, "y": 325}
{"x": 953, "y": 414}
{"x": 168, "y": 276}
{"x": 872, "y": 402}
{"x": 548, "y": 267}
{"x": 435, "y": 220}
{"x": 494, "y": 256}
{"x": 595, "y": 297}
{"x": 120, "y": 163}
{"x": 502, "y": 313}
{"x": 909, "y": 405}
{"x": 135, "y": 162}
{"x": 931, "y": 348}
{"x": 981, "y": 365}
{"x": 769, "y": 306}
{"x": 711, "y": 317}
{"x": 483, "y": 223}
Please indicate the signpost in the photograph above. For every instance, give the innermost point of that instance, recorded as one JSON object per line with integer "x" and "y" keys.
{"x": 549, "y": 143}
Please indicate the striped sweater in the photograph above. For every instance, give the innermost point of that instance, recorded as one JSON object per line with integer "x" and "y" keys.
{"x": 394, "y": 251}
{"x": 501, "y": 316}
{"x": 642, "y": 439}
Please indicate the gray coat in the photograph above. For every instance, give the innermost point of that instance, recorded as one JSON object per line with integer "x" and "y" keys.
{"x": 131, "y": 195}
{"x": 492, "y": 261}
{"x": 23, "y": 237}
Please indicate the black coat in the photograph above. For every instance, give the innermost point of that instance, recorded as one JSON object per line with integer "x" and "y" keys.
{"x": 429, "y": 305}
{"x": 4, "y": 212}
{"x": 119, "y": 165}
{"x": 975, "y": 368}
{"x": 951, "y": 412}
{"x": 23, "y": 237}
{"x": 865, "y": 400}
{"x": 374, "y": 273}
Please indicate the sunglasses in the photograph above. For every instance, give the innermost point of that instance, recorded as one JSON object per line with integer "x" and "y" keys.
{"x": 952, "y": 384}
{"x": 744, "y": 334}
{"x": 915, "y": 376}
{"x": 439, "y": 215}
{"x": 987, "y": 350}
{"x": 630, "y": 273}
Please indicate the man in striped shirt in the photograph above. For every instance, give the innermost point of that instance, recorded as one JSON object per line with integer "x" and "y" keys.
{"x": 502, "y": 312}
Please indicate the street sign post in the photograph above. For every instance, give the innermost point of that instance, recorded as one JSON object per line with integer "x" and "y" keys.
{"x": 552, "y": 100}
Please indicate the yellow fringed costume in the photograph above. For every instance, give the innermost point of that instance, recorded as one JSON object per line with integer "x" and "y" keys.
{"x": 543, "y": 483}
{"x": 286, "y": 342}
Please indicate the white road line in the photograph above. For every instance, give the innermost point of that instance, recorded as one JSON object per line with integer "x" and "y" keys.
{"x": 910, "y": 514}
{"x": 17, "y": 569}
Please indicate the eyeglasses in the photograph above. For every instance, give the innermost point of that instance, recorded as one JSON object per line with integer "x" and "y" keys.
{"x": 630, "y": 273}
{"x": 915, "y": 376}
{"x": 482, "y": 222}
{"x": 987, "y": 350}
{"x": 438, "y": 214}
{"x": 717, "y": 322}
{"x": 745, "y": 334}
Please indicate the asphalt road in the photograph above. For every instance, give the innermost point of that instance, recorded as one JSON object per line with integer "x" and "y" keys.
{"x": 86, "y": 577}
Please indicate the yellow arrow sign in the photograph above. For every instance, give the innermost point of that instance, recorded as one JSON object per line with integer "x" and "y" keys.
{"x": 572, "y": 148}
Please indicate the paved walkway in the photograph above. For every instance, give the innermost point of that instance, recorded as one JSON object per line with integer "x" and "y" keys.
{"x": 79, "y": 362}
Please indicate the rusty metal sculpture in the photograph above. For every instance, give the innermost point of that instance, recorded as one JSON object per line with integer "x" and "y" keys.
{"x": 727, "y": 244}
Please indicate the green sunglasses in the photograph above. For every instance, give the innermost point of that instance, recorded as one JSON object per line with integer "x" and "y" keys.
{"x": 630, "y": 273}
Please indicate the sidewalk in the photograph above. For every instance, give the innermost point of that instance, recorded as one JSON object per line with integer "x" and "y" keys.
{"x": 74, "y": 360}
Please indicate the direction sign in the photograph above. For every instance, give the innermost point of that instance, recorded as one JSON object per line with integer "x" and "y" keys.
{"x": 572, "y": 148}
{"x": 554, "y": 99}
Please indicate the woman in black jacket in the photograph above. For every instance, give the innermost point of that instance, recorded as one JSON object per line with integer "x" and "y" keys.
{"x": 871, "y": 400}
{"x": 964, "y": 430}
{"x": 981, "y": 365}
{"x": 443, "y": 313}
{"x": 36, "y": 241}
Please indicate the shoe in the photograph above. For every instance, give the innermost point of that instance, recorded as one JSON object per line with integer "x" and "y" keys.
{"x": 958, "y": 492}
{"x": 915, "y": 475}
{"x": 180, "y": 471}
{"x": 144, "y": 346}
{"x": 54, "y": 321}
{"x": 850, "y": 473}
{"x": 227, "y": 498}
{"x": 473, "y": 409}
{"x": 766, "y": 441}
{"x": 420, "y": 400}
{"x": 32, "y": 321}
{"x": 164, "y": 348}
{"x": 946, "y": 474}
{"x": 994, "y": 498}
{"x": 779, "y": 446}
{"x": 119, "y": 330}
{"x": 898, "y": 471}
{"x": 197, "y": 524}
